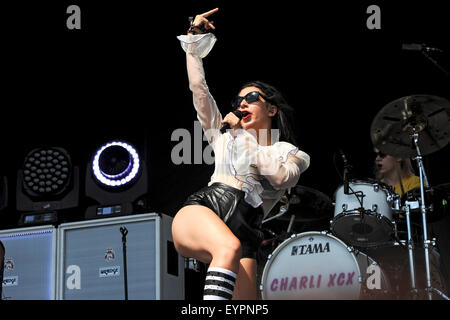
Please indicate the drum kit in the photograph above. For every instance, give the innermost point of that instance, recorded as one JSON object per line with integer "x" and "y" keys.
{"x": 376, "y": 245}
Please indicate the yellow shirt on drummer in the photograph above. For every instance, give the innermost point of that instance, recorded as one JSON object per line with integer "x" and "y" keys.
{"x": 409, "y": 183}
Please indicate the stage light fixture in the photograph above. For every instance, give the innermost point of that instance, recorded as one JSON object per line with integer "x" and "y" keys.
{"x": 116, "y": 164}
{"x": 115, "y": 178}
{"x": 46, "y": 182}
{"x": 46, "y": 172}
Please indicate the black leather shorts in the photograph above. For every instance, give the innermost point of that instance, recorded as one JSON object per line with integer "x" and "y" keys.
{"x": 242, "y": 219}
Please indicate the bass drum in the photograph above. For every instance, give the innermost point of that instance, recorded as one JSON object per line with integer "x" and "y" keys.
{"x": 318, "y": 266}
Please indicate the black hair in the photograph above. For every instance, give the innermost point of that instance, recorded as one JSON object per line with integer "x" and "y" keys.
{"x": 284, "y": 118}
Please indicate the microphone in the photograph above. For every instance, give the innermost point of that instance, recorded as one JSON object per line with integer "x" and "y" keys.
{"x": 226, "y": 126}
{"x": 346, "y": 172}
{"x": 419, "y": 47}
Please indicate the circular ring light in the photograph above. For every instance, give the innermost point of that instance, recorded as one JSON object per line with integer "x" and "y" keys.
{"x": 116, "y": 164}
{"x": 46, "y": 171}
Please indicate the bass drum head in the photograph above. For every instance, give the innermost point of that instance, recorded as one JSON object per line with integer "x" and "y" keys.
{"x": 362, "y": 230}
{"x": 311, "y": 266}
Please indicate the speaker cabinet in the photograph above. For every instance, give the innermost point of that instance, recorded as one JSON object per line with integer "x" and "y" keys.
{"x": 2, "y": 265}
{"x": 91, "y": 260}
{"x": 29, "y": 263}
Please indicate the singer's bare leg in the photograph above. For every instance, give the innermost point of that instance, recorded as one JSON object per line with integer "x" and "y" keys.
{"x": 200, "y": 234}
{"x": 246, "y": 286}
{"x": 213, "y": 243}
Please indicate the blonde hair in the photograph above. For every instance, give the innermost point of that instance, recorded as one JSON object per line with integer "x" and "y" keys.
{"x": 405, "y": 167}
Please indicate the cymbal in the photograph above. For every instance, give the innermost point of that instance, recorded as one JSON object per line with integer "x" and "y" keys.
{"x": 443, "y": 188}
{"x": 308, "y": 204}
{"x": 427, "y": 115}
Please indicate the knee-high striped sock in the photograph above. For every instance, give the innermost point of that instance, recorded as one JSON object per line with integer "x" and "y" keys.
{"x": 219, "y": 284}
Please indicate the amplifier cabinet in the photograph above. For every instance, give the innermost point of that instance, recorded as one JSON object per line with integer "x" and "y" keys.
{"x": 91, "y": 260}
{"x": 30, "y": 263}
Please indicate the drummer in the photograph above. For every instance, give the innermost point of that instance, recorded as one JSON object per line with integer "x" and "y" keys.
{"x": 395, "y": 172}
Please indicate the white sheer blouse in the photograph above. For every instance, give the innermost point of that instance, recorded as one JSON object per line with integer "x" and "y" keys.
{"x": 262, "y": 172}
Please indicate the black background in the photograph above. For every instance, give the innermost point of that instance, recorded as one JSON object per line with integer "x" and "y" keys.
{"x": 123, "y": 76}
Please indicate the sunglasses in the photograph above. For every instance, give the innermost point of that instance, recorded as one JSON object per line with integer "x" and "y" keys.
{"x": 249, "y": 97}
{"x": 380, "y": 154}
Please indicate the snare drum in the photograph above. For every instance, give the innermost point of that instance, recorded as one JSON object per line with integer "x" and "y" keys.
{"x": 316, "y": 266}
{"x": 364, "y": 216}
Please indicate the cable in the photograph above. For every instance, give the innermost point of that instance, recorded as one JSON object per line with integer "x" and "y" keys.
{"x": 360, "y": 193}
{"x": 335, "y": 166}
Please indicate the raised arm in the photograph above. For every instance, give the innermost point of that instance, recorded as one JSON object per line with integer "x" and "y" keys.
{"x": 197, "y": 46}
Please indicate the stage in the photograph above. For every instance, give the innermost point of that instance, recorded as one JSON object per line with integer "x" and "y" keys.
{"x": 122, "y": 76}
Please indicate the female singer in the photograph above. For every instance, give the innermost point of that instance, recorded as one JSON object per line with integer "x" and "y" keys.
{"x": 220, "y": 224}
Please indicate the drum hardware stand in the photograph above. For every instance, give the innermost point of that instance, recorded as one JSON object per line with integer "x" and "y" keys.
{"x": 291, "y": 223}
{"x": 283, "y": 210}
{"x": 410, "y": 243}
{"x": 124, "y": 232}
{"x": 433, "y": 61}
{"x": 426, "y": 242}
{"x": 422, "y": 176}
